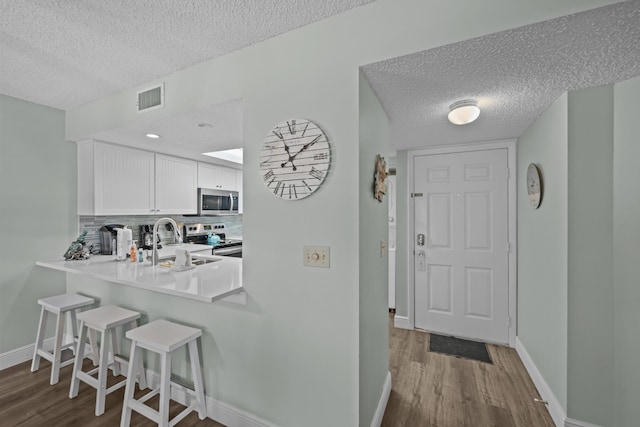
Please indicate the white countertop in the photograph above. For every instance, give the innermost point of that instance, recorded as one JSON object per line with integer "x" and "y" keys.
{"x": 209, "y": 282}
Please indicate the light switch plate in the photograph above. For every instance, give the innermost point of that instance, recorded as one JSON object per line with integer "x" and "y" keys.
{"x": 315, "y": 256}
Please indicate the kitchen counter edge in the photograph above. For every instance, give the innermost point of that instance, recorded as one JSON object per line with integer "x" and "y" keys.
{"x": 72, "y": 267}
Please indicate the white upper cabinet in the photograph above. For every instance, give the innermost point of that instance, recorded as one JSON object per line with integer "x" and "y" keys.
{"x": 217, "y": 177}
{"x": 116, "y": 180}
{"x": 176, "y": 185}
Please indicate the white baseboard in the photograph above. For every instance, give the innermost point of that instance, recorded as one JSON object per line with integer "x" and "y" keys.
{"x": 216, "y": 410}
{"x": 555, "y": 408}
{"x": 22, "y": 354}
{"x": 570, "y": 422}
{"x": 401, "y": 322}
{"x": 382, "y": 403}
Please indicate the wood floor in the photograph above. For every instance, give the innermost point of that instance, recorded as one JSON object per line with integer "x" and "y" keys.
{"x": 27, "y": 399}
{"x": 436, "y": 390}
{"x": 429, "y": 390}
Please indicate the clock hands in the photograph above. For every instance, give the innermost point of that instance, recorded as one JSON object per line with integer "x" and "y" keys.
{"x": 304, "y": 147}
{"x": 286, "y": 148}
{"x": 291, "y": 158}
{"x": 307, "y": 145}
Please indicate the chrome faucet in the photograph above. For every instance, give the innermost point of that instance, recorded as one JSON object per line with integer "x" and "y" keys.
{"x": 176, "y": 235}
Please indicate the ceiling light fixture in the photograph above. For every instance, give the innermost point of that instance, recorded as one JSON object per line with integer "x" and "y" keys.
{"x": 153, "y": 136}
{"x": 463, "y": 112}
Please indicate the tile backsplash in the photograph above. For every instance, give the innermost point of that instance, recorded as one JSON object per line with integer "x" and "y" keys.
{"x": 91, "y": 224}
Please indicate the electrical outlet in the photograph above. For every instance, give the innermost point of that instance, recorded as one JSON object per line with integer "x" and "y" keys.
{"x": 315, "y": 256}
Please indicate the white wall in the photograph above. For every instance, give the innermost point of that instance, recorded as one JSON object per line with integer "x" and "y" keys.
{"x": 542, "y": 248}
{"x": 374, "y": 265}
{"x": 37, "y": 208}
{"x": 578, "y": 268}
{"x": 626, "y": 254}
{"x": 590, "y": 255}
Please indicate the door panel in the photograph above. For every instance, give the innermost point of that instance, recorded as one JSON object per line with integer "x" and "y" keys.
{"x": 461, "y": 272}
{"x": 440, "y": 289}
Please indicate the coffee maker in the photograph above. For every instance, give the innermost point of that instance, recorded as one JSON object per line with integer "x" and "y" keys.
{"x": 146, "y": 237}
{"x": 107, "y": 236}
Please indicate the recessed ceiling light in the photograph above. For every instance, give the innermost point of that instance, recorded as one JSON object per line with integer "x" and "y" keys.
{"x": 153, "y": 136}
{"x": 205, "y": 125}
{"x": 463, "y": 112}
{"x": 233, "y": 155}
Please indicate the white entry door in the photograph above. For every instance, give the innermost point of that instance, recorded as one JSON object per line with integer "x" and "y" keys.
{"x": 461, "y": 244}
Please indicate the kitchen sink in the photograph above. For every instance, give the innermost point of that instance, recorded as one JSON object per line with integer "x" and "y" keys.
{"x": 202, "y": 261}
{"x": 195, "y": 260}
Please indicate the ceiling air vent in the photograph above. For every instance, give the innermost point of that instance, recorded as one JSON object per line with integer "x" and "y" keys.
{"x": 150, "y": 99}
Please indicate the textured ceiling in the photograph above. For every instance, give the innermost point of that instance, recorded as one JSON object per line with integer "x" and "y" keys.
{"x": 64, "y": 53}
{"x": 515, "y": 75}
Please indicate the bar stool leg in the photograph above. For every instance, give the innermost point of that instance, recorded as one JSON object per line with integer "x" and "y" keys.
{"x": 42, "y": 326}
{"x": 196, "y": 373}
{"x": 77, "y": 364}
{"x": 115, "y": 349}
{"x": 74, "y": 328}
{"x": 142, "y": 376}
{"x": 93, "y": 342}
{"x": 165, "y": 388}
{"x": 102, "y": 373}
{"x": 57, "y": 350}
{"x": 125, "y": 421}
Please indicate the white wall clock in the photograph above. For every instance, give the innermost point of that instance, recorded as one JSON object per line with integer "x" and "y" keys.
{"x": 534, "y": 185}
{"x": 295, "y": 159}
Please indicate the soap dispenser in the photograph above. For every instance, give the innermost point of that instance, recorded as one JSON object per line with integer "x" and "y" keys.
{"x": 133, "y": 254}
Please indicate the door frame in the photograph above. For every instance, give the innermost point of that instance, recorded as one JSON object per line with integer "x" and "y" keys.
{"x": 510, "y": 146}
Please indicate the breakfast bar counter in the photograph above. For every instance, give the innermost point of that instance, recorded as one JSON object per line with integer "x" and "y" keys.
{"x": 210, "y": 282}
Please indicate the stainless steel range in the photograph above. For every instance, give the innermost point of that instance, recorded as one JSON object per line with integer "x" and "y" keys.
{"x": 199, "y": 233}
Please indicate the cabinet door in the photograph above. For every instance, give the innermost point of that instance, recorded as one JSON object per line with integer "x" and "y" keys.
{"x": 216, "y": 177}
{"x": 227, "y": 179}
{"x": 176, "y": 185}
{"x": 123, "y": 180}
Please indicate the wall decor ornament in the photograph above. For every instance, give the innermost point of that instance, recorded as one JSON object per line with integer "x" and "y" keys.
{"x": 295, "y": 159}
{"x": 534, "y": 185}
{"x": 77, "y": 250}
{"x": 379, "y": 178}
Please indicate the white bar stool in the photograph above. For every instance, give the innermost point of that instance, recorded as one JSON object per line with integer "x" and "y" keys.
{"x": 163, "y": 337}
{"x": 105, "y": 320}
{"x": 59, "y": 304}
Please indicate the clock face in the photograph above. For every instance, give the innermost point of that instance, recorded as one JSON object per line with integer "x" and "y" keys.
{"x": 534, "y": 188}
{"x": 294, "y": 159}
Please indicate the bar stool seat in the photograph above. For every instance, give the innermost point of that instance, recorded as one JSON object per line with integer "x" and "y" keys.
{"x": 59, "y": 305}
{"x": 104, "y": 320}
{"x": 163, "y": 337}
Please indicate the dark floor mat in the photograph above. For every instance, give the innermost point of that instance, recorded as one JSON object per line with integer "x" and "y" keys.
{"x": 459, "y": 347}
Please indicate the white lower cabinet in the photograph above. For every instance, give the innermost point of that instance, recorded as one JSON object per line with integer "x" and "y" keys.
{"x": 116, "y": 180}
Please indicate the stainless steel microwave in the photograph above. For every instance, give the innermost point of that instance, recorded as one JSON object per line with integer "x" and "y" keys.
{"x": 217, "y": 202}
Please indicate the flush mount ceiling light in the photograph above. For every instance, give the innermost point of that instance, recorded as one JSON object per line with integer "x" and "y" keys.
{"x": 463, "y": 112}
{"x": 153, "y": 136}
